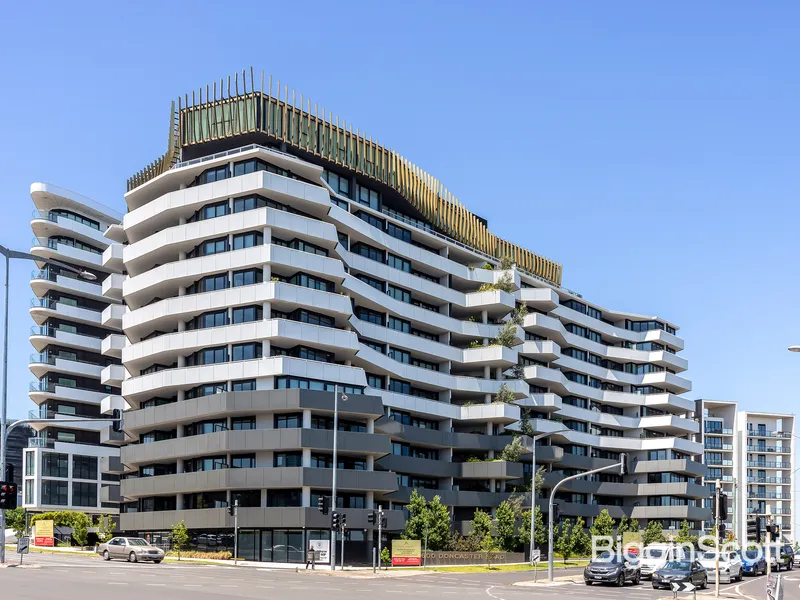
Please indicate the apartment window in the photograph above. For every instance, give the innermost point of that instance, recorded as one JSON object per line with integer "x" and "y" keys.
{"x": 30, "y": 464}
{"x": 243, "y": 461}
{"x": 576, "y": 425}
{"x": 248, "y": 240}
{"x": 369, "y": 197}
{"x": 158, "y": 470}
{"x": 374, "y": 345}
{"x": 212, "y": 175}
{"x": 398, "y": 232}
{"x": 55, "y": 493}
{"x": 339, "y": 183}
{"x": 207, "y": 463}
{"x": 400, "y": 355}
{"x": 84, "y": 467}
{"x": 288, "y": 459}
{"x": 248, "y": 203}
{"x": 247, "y": 277}
{"x": 211, "y": 211}
{"x": 371, "y": 316}
{"x": 576, "y": 401}
{"x": 208, "y": 284}
{"x": 209, "y": 247}
{"x": 248, "y": 351}
{"x": 242, "y": 423}
{"x": 210, "y": 319}
{"x": 376, "y": 381}
{"x": 408, "y": 419}
{"x": 55, "y": 465}
{"x": 247, "y": 314}
{"x": 577, "y": 377}
{"x": 368, "y": 251}
{"x": 401, "y": 449}
{"x": 647, "y": 326}
{"x": 371, "y": 281}
{"x": 301, "y": 383}
{"x": 397, "y": 262}
{"x": 306, "y": 316}
{"x": 575, "y": 353}
{"x": 207, "y": 389}
{"x": 157, "y": 436}
{"x": 371, "y": 219}
{"x": 399, "y": 294}
{"x": 412, "y": 481}
{"x": 575, "y": 450}
{"x": 289, "y": 421}
{"x": 281, "y": 498}
{"x": 309, "y": 281}
{"x": 399, "y": 324}
{"x": 67, "y": 214}
{"x": 247, "y": 498}
{"x": 205, "y": 427}
{"x": 314, "y": 354}
{"x": 84, "y": 494}
{"x": 208, "y": 356}
{"x": 253, "y": 165}
{"x": 29, "y": 491}
{"x": 302, "y": 246}
{"x": 245, "y": 385}
{"x": 321, "y": 422}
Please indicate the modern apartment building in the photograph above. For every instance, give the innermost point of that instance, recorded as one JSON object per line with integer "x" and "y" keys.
{"x": 76, "y": 361}
{"x": 752, "y": 453}
{"x": 271, "y": 256}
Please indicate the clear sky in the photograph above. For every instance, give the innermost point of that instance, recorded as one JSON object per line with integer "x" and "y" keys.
{"x": 650, "y": 147}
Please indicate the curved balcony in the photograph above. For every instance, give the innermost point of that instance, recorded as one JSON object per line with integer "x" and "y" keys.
{"x": 65, "y": 420}
{"x": 112, "y": 315}
{"x": 41, "y": 337}
{"x": 45, "y": 308}
{"x": 60, "y": 250}
{"x": 44, "y": 280}
{"x": 113, "y": 344}
{"x": 40, "y": 392}
{"x": 43, "y": 363}
{"x": 47, "y": 223}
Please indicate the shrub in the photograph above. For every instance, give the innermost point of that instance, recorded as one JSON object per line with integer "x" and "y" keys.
{"x": 488, "y": 266}
{"x": 225, "y": 555}
{"x": 504, "y": 394}
{"x": 506, "y": 263}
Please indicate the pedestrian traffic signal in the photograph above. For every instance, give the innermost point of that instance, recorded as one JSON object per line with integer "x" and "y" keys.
{"x": 723, "y": 505}
{"x": 116, "y": 414}
{"x": 323, "y": 504}
{"x": 372, "y": 517}
{"x": 335, "y": 522}
{"x": 774, "y": 532}
{"x": 8, "y": 495}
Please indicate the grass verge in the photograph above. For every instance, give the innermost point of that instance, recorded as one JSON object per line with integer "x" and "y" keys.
{"x": 498, "y": 568}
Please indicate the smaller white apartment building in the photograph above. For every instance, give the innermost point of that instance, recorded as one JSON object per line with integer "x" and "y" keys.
{"x": 753, "y": 456}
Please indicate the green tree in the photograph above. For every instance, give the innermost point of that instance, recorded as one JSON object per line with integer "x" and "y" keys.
{"x": 79, "y": 523}
{"x": 654, "y": 533}
{"x": 634, "y": 526}
{"x": 506, "y": 519}
{"x": 105, "y": 528}
{"x": 481, "y": 524}
{"x": 489, "y": 547}
{"x": 417, "y": 509}
{"x": 432, "y": 513}
{"x": 518, "y": 316}
{"x": 623, "y": 526}
{"x": 513, "y": 451}
{"x": 603, "y": 525}
{"x": 15, "y": 520}
{"x": 386, "y": 558}
{"x": 797, "y": 546}
{"x": 563, "y": 542}
{"x": 506, "y": 262}
{"x": 179, "y": 537}
{"x": 581, "y": 542}
{"x": 505, "y": 395}
{"x": 685, "y": 534}
{"x": 525, "y": 529}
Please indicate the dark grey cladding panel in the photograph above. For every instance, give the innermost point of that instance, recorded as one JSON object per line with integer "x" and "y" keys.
{"x": 441, "y": 439}
{"x": 245, "y": 403}
{"x": 574, "y": 461}
{"x": 258, "y": 478}
{"x": 692, "y": 513}
{"x": 685, "y": 465}
{"x": 491, "y": 470}
{"x": 254, "y": 440}
{"x": 419, "y": 466}
{"x": 548, "y": 454}
{"x": 272, "y": 517}
{"x": 568, "y": 509}
{"x": 454, "y": 498}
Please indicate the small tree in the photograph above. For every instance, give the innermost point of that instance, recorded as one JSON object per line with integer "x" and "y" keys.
{"x": 80, "y": 528}
{"x": 563, "y": 543}
{"x": 15, "y": 520}
{"x": 797, "y": 546}
{"x": 623, "y": 526}
{"x": 634, "y": 526}
{"x": 504, "y": 394}
{"x": 518, "y": 316}
{"x": 386, "y": 558}
{"x": 654, "y": 533}
{"x": 105, "y": 528}
{"x": 603, "y": 525}
{"x": 438, "y": 524}
{"x": 581, "y": 543}
{"x": 525, "y": 529}
{"x": 417, "y": 509}
{"x": 506, "y": 336}
{"x": 488, "y": 546}
{"x": 513, "y": 451}
{"x": 506, "y": 262}
{"x": 179, "y": 536}
{"x": 685, "y": 534}
{"x": 506, "y": 518}
{"x": 505, "y": 283}
{"x": 481, "y": 524}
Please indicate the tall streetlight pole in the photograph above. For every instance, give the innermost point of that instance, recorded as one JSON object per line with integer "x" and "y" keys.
{"x": 536, "y": 438}
{"x": 8, "y": 255}
{"x": 332, "y": 552}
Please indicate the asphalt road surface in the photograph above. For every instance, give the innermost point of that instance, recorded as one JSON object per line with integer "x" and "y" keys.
{"x": 82, "y": 578}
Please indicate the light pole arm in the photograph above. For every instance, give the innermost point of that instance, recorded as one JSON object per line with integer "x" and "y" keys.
{"x": 550, "y": 554}
{"x": 11, "y": 254}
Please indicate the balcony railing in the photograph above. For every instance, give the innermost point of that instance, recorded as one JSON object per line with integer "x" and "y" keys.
{"x": 768, "y": 449}
{"x": 50, "y": 359}
{"x": 717, "y": 431}
{"x": 765, "y": 433}
{"x": 50, "y": 387}
{"x": 48, "y": 331}
{"x": 769, "y": 495}
{"x": 54, "y": 217}
{"x": 44, "y": 413}
{"x": 40, "y": 442}
{"x": 54, "y": 244}
{"x": 723, "y": 463}
{"x": 53, "y": 276}
{"x": 708, "y": 446}
{"x": 758, "y": 510}
{"x": 780, "y": 480}
{"x": 768, "y": 465}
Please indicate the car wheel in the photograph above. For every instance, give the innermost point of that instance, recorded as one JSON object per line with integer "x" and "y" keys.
{"x": 157, "y": 562}
{"x": 637, "y": 579}
{"x": 621, "y": 580}
{"x": 587, "y": 582}
{"x": 106, "y": 555}
{"x": 705, "y": 583}
{"x": 132, "y": 557}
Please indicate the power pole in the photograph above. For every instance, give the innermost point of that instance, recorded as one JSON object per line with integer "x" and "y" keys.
{"x": 768, "y": 538}
{"x": 380, "y": 533}
{"x": 235, "y": 531}
{"x": 718, "y": 491}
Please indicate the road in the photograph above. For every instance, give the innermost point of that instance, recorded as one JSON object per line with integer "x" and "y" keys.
{"x": 82, "y": 578}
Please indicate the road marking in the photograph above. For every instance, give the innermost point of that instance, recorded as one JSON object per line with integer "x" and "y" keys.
{"x": 116, "y": 583}
{"x": 156, "y": 584}
{"x": 231, "y": 586}
{"x": 265, "y": 587}
{"x": 191, "y": 585}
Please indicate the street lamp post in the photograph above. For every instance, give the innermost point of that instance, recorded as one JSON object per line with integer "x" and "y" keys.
{"x": 332, "y": 552}
{"x": 536, "y": 438}
{"x": 8, "y": 255}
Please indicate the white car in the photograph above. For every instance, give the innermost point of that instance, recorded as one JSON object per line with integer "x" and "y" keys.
{"x": 655, "y": 556}
{"x": 730, "y": 566}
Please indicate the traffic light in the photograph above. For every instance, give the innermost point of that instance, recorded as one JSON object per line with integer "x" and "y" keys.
{"x": 116, "y": 414}
{"x": 344, "y": 520}
{"x": 231, "y": 509}
{"x": 623, "y": 459}
{"x": 335, "y": 522}
{"x": 722, "y": 532}
{"x": 754, "y": 529}
{"x": 759, "y": 529}
{"x": 323, "y": 504}
{"x": 8, "y": 495}
{"x": 372, "y": 517}
{"x": 723, "y": 505}
{"x": 556, "y": 512}
{"x": 774, "y": 532}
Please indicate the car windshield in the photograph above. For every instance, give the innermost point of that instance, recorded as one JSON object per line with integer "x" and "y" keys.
{"x": 606, "y": 558}
{"x": 751, "y": 554}
{"x": 653, "y": 552}
{"x": 137, "y": 542}
{"x": 678, "y": 565}
{"x": 711, "y": 556}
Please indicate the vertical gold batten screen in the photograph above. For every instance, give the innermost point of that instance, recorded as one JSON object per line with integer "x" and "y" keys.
{"x": 280, "y": 118}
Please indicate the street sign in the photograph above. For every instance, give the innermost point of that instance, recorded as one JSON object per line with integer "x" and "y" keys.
{"x": 44, "y": 534}
{"x": 23, "y": 545}
{"x": 536, "y": 555}
{"x": 406, "y": 553}
{"x": 322, "y": 548}
{"x": 682, "y": 586}
{"x": 774, "y": 587}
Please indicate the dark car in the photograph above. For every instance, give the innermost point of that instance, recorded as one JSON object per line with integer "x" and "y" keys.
{"x": 681, "y": 571}
{"x": 611, "y": 568}
{"x": 782, "y": 557}
{"x": 753, "y": 561}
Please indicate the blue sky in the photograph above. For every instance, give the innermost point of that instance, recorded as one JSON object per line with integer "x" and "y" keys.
{"x": 649, "y": 147}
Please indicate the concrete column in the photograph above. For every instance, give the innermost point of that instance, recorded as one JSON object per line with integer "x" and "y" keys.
{"x": 487, "y": 372}
{"x": 492, "y": 486}
{"x": 370, "y": 425}
{"x": 267, "y": 235}
{"x": 179, "y": 466}
{"x": 370, "y": 463}
{"x": 306, "y": 495}
{"x": 182, "y": 289}
{"x": 445, "y": 367}
{"x": 491, "y": 454}
{"x": 306, "y": 457}
{"x": 484, "y": 316}
{"x": 370, "y": 500}
{"x": 487, "y": 399}
{"x": 307, "y": 419}
{"x": 263, "y": 498}
{"x": 489, "y": 428}
{"x": 179, "y": 501}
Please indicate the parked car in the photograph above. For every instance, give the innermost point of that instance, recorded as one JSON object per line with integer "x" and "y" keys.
{"x": 796, "y": 560}
{"x": 681, "y": 571}
{"x": 655, "y": 556}
{"x": 730, "y": 566}
{"x": 753, "y": 562}
{"x": 608, "y": 567}
{"x": 782, "y": 557}
{"x": 131, "y": 549}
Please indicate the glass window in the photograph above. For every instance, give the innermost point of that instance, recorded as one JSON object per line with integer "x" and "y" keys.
{"x": 399, "y": 263}
{"x": 369, "y": 197}
{"x": 208, "y": 284}
{"x": 84, "y": 494}
{"x": 246, "y": 314}
{"x": 247, "y": 277}
{"x": 371, "y": 281}
{"x": 248, "y": 203}
{"x": 399, "y": 294}
{"x": 208, "y": 356}
{"x": 282, "y": 383}
{"x": 288, "y": 459}
{"x": 371, "y": 316}
{"x": 371, "y": 219}
{"x": 211, "y": 211}
{"x": 399, "y": 324}
{"x": 210, "y": 319}
{"x": 207, "y": 389}
{"x": 376, "y": 381}
{"x": 209, "y": 247}
{"x": 312, "y": 282}
{"x": 339, "y": 183}
{"x": 240, "y": 423}
{"x": 55, "y": 493}
{"x": 243, "y": 461}
{"x": 84, "y": 467}
{"x": 245, "y": 385}
{"x": 212, "y": 175}
{"x": 398, "y": 232}
{"x": 29, "y": 491}
{"x": 247, "y": 240}
{"x": 246, "y": 351}
{"x": 55, "y": 465}
{"x": 368, "y": 251}
{"x": 277, "y": 497}
{"x": 289, "y": 421}
{"x": 30, "y": 463}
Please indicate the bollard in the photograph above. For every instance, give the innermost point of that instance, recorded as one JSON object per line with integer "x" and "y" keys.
{"x": 374, "y": 551}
